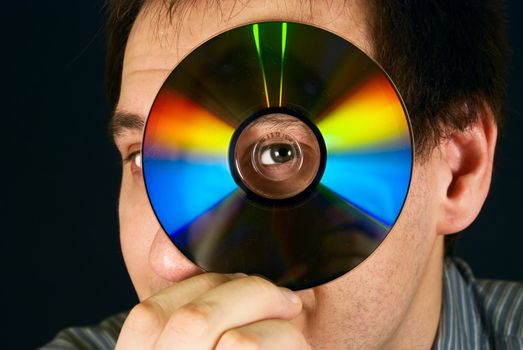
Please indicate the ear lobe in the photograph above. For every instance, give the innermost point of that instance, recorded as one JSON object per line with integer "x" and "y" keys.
{"x": 466, "y": 167}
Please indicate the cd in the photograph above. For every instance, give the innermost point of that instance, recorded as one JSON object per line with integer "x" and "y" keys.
{"x": 278, "y": 149}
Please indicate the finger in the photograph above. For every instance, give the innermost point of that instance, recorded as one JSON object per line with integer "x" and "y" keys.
{"x": 200, "y": 323}
{"x": 266, "y": 334}
{"x": 146, "y": 320}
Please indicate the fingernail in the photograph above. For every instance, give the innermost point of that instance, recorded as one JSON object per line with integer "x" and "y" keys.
{"x": 289, "y": 294}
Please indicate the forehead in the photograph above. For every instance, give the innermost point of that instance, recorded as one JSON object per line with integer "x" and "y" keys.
{"x": 161, "y": 37}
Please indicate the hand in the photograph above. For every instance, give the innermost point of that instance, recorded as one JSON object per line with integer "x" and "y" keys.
{"x": 213, "y": 311}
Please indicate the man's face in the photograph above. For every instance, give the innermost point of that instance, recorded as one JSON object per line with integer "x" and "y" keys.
{"x": 369, "y": 302}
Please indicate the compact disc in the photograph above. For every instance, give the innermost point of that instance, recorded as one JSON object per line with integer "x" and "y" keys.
{"x": 278, "y": 149}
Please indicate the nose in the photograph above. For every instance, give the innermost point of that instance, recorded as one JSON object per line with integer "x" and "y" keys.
{"x": 168, "y": 262}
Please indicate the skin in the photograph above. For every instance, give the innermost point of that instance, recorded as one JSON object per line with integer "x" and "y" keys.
{"x": 290, "y": 178}
{"x": 390, "y": 301}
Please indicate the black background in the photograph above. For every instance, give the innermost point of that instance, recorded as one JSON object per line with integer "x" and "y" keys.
{"x": 61, "y": 260}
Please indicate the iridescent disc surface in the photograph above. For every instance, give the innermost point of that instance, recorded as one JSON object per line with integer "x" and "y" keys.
{"x": 320, "y": 122}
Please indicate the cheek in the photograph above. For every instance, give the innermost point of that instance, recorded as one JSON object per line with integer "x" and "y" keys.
{"x": 138, "y": 226}
{"x": 407, "y": 247}
{"x": 377, "y": 304}
{"x": 153, "y": 262}
{"x": 402, "y": 257}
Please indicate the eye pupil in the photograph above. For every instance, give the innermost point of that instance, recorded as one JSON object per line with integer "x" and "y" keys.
{"x": 281, "y": 153}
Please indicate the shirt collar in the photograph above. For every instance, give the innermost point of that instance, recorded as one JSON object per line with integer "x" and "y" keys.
{"x": 460, "y": 326}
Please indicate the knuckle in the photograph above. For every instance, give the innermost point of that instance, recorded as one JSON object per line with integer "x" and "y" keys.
{"x": 262, "y": 286}
{"x": 146, "y": 318}
{"x": 191, "y": 319}
{"x": 211, "y": 280}
{"x": 236, "y": 339}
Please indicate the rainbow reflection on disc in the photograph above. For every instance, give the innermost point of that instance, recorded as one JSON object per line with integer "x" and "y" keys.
{"x": 277, "y": 149}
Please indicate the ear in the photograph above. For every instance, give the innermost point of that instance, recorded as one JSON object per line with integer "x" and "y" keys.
{"x": 464, "y": 172}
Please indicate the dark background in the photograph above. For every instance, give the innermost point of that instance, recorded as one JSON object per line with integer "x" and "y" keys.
{"x": 61, "y": 260}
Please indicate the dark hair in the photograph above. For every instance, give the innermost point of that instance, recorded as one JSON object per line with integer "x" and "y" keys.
{"x": 447, "y": 58}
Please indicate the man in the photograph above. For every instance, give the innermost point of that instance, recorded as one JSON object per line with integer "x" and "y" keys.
{"x": 448, "y": 61}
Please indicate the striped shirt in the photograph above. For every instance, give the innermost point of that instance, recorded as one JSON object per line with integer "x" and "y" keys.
{"x": 102, "y": 336}
{"x": 476, "y": 314}
{"x": 479, "y": 314}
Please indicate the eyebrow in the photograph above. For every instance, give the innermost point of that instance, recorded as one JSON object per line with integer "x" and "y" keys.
{"x": 278, "y": 122}
{"x": 123, "y": 121}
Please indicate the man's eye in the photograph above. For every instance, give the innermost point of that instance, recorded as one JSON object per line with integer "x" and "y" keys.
{"x": 277, "y": 154}
{"x": 138, "y": 159}
{"x": 135, "y": 158}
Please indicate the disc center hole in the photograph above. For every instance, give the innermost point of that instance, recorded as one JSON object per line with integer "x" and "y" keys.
{"x": 277, "y": 156}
